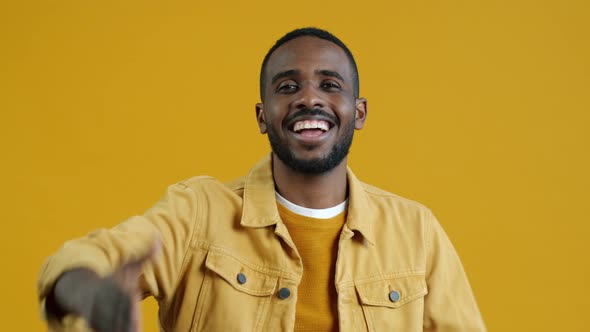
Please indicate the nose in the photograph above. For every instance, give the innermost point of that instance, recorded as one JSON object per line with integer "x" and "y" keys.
{"x": 309, "y": 97}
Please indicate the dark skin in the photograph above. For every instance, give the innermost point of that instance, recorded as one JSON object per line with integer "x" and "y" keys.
{"x": 310, "y": 72}
{"x": 313, "y": 73}
{"x": 108, "y": 304}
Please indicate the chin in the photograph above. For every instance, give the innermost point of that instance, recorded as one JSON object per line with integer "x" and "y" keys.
{"x": 310, "y": 155}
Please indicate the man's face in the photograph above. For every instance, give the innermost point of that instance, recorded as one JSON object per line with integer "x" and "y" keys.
{"x": 310, "y": 111}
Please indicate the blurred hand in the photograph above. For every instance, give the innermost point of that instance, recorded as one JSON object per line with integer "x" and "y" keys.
{"x": 110, "y": 304}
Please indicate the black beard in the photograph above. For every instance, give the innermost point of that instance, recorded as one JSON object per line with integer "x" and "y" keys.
{"x": 314, "y": 166}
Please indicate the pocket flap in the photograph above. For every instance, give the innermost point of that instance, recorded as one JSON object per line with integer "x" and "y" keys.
{"x": 241, "y": 276}
{"x": 391, "y": 292}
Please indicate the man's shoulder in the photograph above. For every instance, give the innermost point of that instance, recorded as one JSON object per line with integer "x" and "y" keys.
{"x": 380, "y": 196}
{"x": 206, "y": 182}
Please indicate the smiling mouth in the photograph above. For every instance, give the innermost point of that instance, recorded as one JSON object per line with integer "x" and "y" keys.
{"x": 311, "y": 128}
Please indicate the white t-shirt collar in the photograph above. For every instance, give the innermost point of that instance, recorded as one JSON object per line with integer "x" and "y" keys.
{"x": 312, "y": 213}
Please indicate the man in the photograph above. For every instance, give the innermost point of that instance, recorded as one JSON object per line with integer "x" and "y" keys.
{"x": 299, "y": 243}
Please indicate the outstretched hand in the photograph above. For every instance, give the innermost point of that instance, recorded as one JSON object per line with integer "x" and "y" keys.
{"x": 109, "y": 304}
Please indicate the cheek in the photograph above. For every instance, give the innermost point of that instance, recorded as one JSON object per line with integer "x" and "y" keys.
{"x": 273, "y": 120}
{"x": 346, "y": 109}
{"x": 279, "y": 111}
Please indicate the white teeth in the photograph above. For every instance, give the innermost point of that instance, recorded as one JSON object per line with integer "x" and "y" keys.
{"x": 311, "y": 124}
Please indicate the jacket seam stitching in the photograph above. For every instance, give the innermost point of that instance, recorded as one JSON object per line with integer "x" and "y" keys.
{"x": 402, "y": 274}
{"x": 190, "y": 244}
{"x": 273, "y": 272}
{"x": 390, "y": 195}
{"x": 206, "y": 246}
{"x": 404, "y": 300}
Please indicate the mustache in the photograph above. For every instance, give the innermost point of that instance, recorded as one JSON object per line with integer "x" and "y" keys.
{"x": 311, "y": 112}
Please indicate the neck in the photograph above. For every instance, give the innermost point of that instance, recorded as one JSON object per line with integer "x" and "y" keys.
{"x": 314, "y": 191}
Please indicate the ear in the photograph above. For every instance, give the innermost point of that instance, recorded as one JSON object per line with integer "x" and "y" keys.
{"x": 260, "y": 118}
{"x": 361, "y": 113}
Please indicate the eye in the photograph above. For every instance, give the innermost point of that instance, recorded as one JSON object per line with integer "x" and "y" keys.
{"x": 287, "y": 87}
{"x": 330, "y": 86}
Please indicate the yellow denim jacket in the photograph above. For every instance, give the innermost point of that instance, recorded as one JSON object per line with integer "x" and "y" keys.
{"x": 396, "y": 269}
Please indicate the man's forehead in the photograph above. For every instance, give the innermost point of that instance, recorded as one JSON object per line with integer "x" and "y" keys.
{"x": 308, "y": 54}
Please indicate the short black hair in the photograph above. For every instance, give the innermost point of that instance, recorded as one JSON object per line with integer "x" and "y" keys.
{"x": 313, "y": 32}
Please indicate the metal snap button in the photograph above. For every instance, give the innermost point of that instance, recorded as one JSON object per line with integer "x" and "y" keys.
{"x": 394, "y": 296}
{"x": 284, "y": 293}
{"x": 241, "y": 278}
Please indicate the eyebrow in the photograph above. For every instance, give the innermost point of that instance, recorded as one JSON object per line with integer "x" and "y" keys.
{"x": 286, "y": 73}
{"x": 329, "y": 73}
{"x": 294, "y": 72}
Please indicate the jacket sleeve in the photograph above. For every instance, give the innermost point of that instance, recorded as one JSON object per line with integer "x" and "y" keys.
{"x": 172, "y": 219}
{"x": 449, "y": 304}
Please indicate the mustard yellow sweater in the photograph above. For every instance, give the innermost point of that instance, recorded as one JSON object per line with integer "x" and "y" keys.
{"x": 316, "y": 241}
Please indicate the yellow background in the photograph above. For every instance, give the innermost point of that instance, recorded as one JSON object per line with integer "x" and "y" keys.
{"x": 478, "y": 109}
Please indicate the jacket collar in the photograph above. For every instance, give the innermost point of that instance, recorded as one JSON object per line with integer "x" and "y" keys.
{"x": 260, "y": 207}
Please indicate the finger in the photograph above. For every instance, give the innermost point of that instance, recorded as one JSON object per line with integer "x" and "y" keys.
{"x": 136, "y": 323}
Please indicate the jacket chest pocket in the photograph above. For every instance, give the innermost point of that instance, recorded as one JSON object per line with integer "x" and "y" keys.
{"x": 393, "y": 304}
{"x": 234, "y": 296}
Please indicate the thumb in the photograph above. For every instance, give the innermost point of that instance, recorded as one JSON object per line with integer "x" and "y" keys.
{"x": 128, "y": 274}
{"x": 152, "y": 253}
